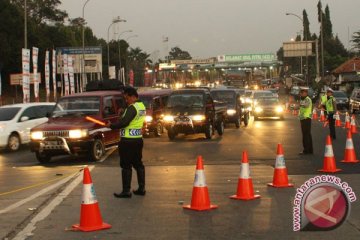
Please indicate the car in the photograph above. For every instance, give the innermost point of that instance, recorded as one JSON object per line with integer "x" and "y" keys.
{"x": 236, "y": 112}
{"x": 191, "y": 111}
{"x": 354, "y": 104}
{"x": 77, "y": 126}
{"x": 342, "y": 101}
{"x": 155, "y": 102}
{"x": 16, "y": 121}
{"x": 268, "y": 107}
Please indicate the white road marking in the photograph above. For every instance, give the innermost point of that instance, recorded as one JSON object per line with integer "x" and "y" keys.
{"x": 27, "y": 231}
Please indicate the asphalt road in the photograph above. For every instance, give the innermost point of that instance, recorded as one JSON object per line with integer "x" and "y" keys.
{"x": 28, "y": 189}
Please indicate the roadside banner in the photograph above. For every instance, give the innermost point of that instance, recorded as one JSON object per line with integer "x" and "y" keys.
{"x": 66, "y": 74}
{"x": 35, "y": 56}
{"x": 54, "y": 72}
{"x": 71, "y": 74}
{"x": 131, "y": 78}
{"x": 47, "y": 76}
{"x": 26, "y": 74}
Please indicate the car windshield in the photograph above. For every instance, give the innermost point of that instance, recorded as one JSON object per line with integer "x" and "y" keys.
{"x": 263, "y": 94}
{"x": 268, "y": 101}
{"x": 8, "y": 113}
{"x": 146, "y": 100}
{"x": 339, "y": 94}
{"x": 77, "y": 106}
{"x": 186, "y": 100}
{"x": 224, "y": 96}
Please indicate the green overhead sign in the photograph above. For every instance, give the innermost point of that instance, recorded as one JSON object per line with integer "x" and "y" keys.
{"x": 247, "y": 57}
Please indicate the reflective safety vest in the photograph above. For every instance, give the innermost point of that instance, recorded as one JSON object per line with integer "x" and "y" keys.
{"x": 305, "y": 112}
{"x": 134, "y": 129}
{"x": 329, "y": 104}
{"x": 323, "y": 99}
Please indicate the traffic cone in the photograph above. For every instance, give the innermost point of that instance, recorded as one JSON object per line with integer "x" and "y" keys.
{"x": 353, "y": 125}
{"x": 90, "y": 216}
{"x": 315, "y": 115}
{"x": 347, "y": 121}
{"x": 322, "y": 116}
{"x": 329, "y": 164}
{"x": 350, "y": 155}
{"x": 337, "y": 119}
{"x": 245, "y": 190}
{"x": 200, "y": 200}
{"x": 280, "y": 178}
{"x": 295, "y": 112}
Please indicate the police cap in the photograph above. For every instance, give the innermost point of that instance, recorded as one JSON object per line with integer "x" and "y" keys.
{"x": 330, "y": 90}
{"x": 304, "y": 89}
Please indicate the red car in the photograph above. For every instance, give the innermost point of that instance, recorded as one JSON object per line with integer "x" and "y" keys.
{"x": 69, "y": 130}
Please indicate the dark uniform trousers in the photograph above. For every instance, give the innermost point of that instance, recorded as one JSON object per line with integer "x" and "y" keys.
{"x": 130, "y": 152}
{"x": 306, "y": 133}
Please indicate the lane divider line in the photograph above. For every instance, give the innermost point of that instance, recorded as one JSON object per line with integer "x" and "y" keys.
{"x": 27, "y": 231}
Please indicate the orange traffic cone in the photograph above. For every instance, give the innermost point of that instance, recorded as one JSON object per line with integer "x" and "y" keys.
{"x": 347, "y": 121}
{"x": 337, "y": 119}
{"x": 280, "y": 178}
{"x": 329, "y": 164}
{"x": 315, "y": 115}
{"x": 322, "y": 116}
{"x": 245, "y": 190}
{"x": 353, "y": 125}
{"x": 200, "y": 199}
{"x": 295, "y": 112}
{"x": 90, "y": 216}
{"x": 350, "y": 155}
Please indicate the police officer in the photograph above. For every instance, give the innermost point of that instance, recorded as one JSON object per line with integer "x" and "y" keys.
{"x": 305, "y": 120}
{"x": 131, "y": 143}
{"x": 322, "y": 103}
{"x": 331, "y": 108}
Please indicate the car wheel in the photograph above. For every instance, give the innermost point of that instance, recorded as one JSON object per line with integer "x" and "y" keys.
{"x": 238, "y": 122}
{"x": 171, "y": 134}
{"x": 246, "y": 119}
{"x": 158, "y": 130}
{"x": 42, "y": 157}
{"x": 97, "y": 150}
{"x": 209, "y": 131}
{"x": 13, "y": 142}
{"x": 220, "y": 128}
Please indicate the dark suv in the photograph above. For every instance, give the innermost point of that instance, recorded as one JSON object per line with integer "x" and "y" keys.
{"x": 235, "y": 110}
{"x": 190, "y": 111}
{"x": 355, "y": 100}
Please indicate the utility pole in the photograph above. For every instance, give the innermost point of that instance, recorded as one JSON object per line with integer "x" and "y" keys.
{"x": 322, "y": 45}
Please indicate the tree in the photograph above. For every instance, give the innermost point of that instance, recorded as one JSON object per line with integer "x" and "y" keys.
{"x": 177, "y": 54}
{"x": 356, "y": 41}
{"x": 306, "y": 24}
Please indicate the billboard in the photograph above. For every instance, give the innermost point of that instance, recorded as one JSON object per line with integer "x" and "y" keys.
{"x": 17, "y": 78}
{"x": 260, "y": 57}
{"x": 298, "y": 49}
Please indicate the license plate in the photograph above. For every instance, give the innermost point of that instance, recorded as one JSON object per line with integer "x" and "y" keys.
{"x": 52, "y": 143}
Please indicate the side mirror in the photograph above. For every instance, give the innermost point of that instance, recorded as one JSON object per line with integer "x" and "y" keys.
{"x": 24, "y": 119}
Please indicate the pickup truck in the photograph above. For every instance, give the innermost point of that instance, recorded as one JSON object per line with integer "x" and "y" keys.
{"x": 191, "y": 111}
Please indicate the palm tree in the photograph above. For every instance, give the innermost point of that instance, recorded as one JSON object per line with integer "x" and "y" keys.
{"x": 138, "y": 61}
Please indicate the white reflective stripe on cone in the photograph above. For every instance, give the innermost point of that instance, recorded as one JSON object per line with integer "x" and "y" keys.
{"x": 244, "y": 171}
{"x": 88, "y": 194}
{"x": 352, "y": 121}
{"x": 347, "y": 118}
{"x": 329, "y": 151}
{"x": 200, "y": 180}
{"x": 280, "y": 161}
{"x": 349, "y": 144}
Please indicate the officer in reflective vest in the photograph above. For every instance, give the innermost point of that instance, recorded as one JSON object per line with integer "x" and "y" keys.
{"x": 331, "y": 109}
{"x": 322, "y": 103}
{"x": 305, "y": 120}
{"x": 131, "y": 144}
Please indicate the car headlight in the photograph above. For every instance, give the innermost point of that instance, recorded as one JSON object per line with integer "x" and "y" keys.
{"x": 168, "y": 118}
{"x": 279, "y": 109}
{"x": 37, "y": 135}
{"x": 231, "y": 111}
{"x": 248, "y": 100}
{"x": 78, "y": 133}
{"x": 249, "y": 109}
{"x": 148, "y": 118}
{"x": 258, "y": 109}
{"x": 198, "y": 118}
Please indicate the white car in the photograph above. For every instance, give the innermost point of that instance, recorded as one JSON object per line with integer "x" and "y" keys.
{"x": 17, "y": 120}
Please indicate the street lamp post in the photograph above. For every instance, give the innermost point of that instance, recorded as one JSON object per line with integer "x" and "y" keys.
{"x": 116, "y": 20}
{"x": 119, "y": 39}
{"x": 83, "y": 83}
{"x": 306, "y": 50}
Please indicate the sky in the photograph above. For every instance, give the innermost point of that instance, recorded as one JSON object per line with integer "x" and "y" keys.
{"x": 208, "y": 28}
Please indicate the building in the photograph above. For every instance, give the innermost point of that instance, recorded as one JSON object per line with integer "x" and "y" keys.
{"x": 348, "y": 75}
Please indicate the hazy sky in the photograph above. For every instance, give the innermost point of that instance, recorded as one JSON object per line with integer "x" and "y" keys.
{"x": 209, "y": 28}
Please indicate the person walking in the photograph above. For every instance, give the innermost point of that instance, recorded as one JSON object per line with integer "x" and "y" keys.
{"x": 331, "y": 108}
{"x": 305, "y": 121}
{"x": 131, "y": 143}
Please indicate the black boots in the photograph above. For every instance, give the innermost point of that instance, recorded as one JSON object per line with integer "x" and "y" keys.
{"x": 126, "y": 181}
{"x": 141, "y": 181}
